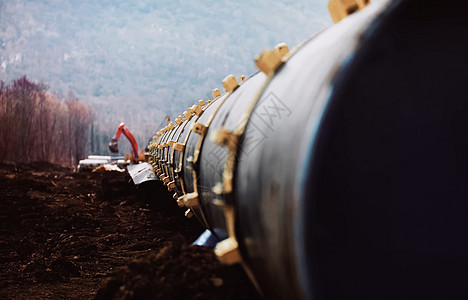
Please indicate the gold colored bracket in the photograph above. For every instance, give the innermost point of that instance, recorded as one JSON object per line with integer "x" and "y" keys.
{"x": 187, "y": 115}
{"x": 227, "y": 251}
{"x": 181, "y": 182}
{"x": 188, "y": 213}
{"x": 216, "y": 94}
{"x": 282, "y": 49}
{"x": 340, "y": 9}
{"x": 171, "y": 186}
{"x": 180, "y": 202}
{"x": 169, "y": 143}
{"x": 189, "y": 200}
{"x": 188, "y": 134}
{"x": 224, "y": 137}
{"x": 179, "y": 147}
{"x": 208, "y": 123}
{"x": 268, "y": 61}
{"x": 198, "y": 128}
{"x": 197, "y": 110}
{"x": 230, "y": 83}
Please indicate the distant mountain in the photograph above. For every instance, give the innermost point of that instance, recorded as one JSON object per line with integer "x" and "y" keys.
{"x": 136, "y": 61}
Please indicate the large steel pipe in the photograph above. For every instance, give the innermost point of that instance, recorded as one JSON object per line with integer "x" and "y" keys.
{"x": 340, "y": 170}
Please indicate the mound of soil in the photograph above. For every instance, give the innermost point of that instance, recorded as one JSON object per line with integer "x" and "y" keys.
{"x": 84, "y": 235}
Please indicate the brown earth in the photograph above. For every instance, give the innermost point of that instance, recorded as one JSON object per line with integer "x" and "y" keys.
{"x": 84, "y": 235}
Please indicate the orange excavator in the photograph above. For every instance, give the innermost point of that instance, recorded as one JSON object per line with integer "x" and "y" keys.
{"x": 113, "y": 146}
{"x": 135, "y": 157}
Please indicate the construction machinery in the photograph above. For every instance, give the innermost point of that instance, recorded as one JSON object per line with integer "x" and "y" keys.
{"x": 113, "y": 145}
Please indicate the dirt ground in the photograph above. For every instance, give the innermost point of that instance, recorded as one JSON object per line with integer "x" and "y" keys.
{"x": 84, "y": 235}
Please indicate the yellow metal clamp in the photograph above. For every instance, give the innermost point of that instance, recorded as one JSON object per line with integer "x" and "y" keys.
{"x": 230, "y": 83}
{"x": 224, "y": 137}
{"x": 179, "y": 147}
{"x": 187, "y": 115}
{"x": 175, "y": 141}
{"x": 188, "y": 213}
{"x": 189, "y": 200}
{"x": 268, "y": 61}
{"x": 171, "y": 185}
{"x": 169, "y": 143}
{"x": 227, "y": 250}
{"x": 196, "y": 110}
{"x": 198, "y": 128}
{"x": 173, "y": 151}
{"x": 216, "y": 94}
{"x": 340, "y": 9}
{"x": 188, "y": 134}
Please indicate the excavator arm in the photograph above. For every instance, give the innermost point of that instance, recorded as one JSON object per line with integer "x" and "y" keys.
{"x": 113, "y": 146}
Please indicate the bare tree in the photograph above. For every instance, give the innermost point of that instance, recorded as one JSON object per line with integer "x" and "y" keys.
{"x": 35, "y": 125}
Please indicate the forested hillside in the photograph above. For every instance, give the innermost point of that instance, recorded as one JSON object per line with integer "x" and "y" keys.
{"x": 136, "y": 61}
